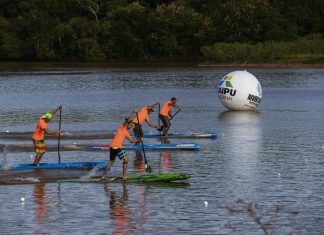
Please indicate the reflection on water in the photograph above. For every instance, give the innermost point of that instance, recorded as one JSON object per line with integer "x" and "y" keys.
{"x": 243, "y": 117}
{"x": 42, "y": 206}
{"x": 166, "y": 161}
{"x": 243, "y": 140}
{"x": 244, "y": 131}
{"x": 139, "y": 163}
{"x": 120, "y": 211}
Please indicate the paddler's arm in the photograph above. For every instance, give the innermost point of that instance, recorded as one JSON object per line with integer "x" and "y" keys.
{"x": 50, "y": 132}
{"x": 150, "y": 123}
{"x": 171, "y": 116}
{"x": 54, "y": 111}
{"x": 137, "y": 140}
{"x": 153, "y": 105}
{"x": 133, "y": 114}
{"x": 176, "y": 106}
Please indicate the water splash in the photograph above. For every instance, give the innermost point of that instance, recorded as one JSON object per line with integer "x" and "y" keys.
{"x": 93, "y": 172}
{"x": 27, "y": 179}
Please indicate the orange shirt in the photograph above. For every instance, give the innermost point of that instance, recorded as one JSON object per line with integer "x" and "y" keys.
{"x": 120, "y": 136}
{"x": 166, "y": 108}
{"x": 39, "y": 131}
{"x": 142, "y": 116}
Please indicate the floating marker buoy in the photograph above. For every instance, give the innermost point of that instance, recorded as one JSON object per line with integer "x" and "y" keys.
{"x": 205, "y": 203}
{"x": 22, "y": 199}
{"x": 239, "y": 90}
{"x": 7, "y": 131}
{"x": 279, "y": 174}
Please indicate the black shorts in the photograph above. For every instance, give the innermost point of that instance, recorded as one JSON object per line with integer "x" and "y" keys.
{"x": 137, "y": 129}
{"x": 120, "y": 153}
{"x": 165, "y": 121}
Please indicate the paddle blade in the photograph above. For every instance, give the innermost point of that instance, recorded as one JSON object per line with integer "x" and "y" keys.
{"x": 148, "y": 168}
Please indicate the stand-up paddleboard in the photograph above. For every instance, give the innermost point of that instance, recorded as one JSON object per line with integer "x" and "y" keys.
{"x": 62, "y": 165}
{"x": 207, "y": 135}
{"x": 181, "y": 146}
{"x": 154, "y": 177}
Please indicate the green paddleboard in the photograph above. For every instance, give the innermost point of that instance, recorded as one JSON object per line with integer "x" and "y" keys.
{"x": 154, "y": 177}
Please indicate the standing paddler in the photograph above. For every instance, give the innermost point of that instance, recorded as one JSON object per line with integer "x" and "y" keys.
{"x": 165, "y": 115}
{"x": 116, "y": 147}
{"x": 143, "y": 116}
{"x": 38, "y": 136}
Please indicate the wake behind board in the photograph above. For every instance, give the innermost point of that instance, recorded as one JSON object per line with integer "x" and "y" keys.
{"x": 62, "y": 165}
{"x": 154, "y": 177}
{"x": 181, "y": 146}
{"x": 207, "y": 135}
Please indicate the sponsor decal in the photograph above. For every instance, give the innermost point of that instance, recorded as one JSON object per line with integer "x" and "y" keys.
{"x": 253, "y": 99}
{"x": 225, "y": 87}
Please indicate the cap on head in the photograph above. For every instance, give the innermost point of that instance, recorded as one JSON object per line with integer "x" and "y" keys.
{"x": 173, "y": 99}
{"x": 48, "y": 116}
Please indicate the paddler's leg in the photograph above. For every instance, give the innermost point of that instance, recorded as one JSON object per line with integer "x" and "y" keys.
{"x": 137, "y": 129}
{"x": 40, "y": 147}
{"x": 161, "y": 117}
{"x": 38, "y": 158}
{"x": 113, "y": 154}
{"x": 111, "y": 162}
{"x": 122, "y": 156}
{"x": 166, "y": 125}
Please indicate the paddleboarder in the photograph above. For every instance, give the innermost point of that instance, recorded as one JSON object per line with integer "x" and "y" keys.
{"x": 116, "y": 147}
{"x": 165, "y": 115}
{"x": 143, "y": 116}
{"x": 38, "y": 136}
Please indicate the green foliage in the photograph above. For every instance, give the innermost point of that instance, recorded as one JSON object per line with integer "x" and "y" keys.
{"x": 147, "y": 30}
{"x": 10, "y": 45}
{"x": 180, "y": 31}
{"x": 303, "y": 50}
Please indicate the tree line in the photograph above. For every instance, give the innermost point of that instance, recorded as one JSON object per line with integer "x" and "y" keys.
{"x": 161, "y": 30}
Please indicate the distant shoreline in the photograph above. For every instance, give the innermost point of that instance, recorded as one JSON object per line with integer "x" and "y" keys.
{"x": 34, "y": 65}
{"x": 262, "y": 65}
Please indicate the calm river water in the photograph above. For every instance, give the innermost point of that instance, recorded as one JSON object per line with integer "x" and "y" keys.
{"x": 263, "y": 175}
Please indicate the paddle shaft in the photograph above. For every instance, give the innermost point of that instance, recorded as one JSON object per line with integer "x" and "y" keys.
{"x": 159, "y": 123}
{"x": 146, "y": 163}
{"x": 175, "y": 114}
{"x": 59, "y": 138}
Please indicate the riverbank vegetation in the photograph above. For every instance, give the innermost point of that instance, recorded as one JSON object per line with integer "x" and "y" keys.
{"x": 256, "y": 31}
{"x": 302, "y": 50}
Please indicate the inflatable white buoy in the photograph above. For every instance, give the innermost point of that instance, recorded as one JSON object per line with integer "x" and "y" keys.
{"x": 22, "y": 199}
{"x": 206, "y": 203}
{"x": 240, "y": 90}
